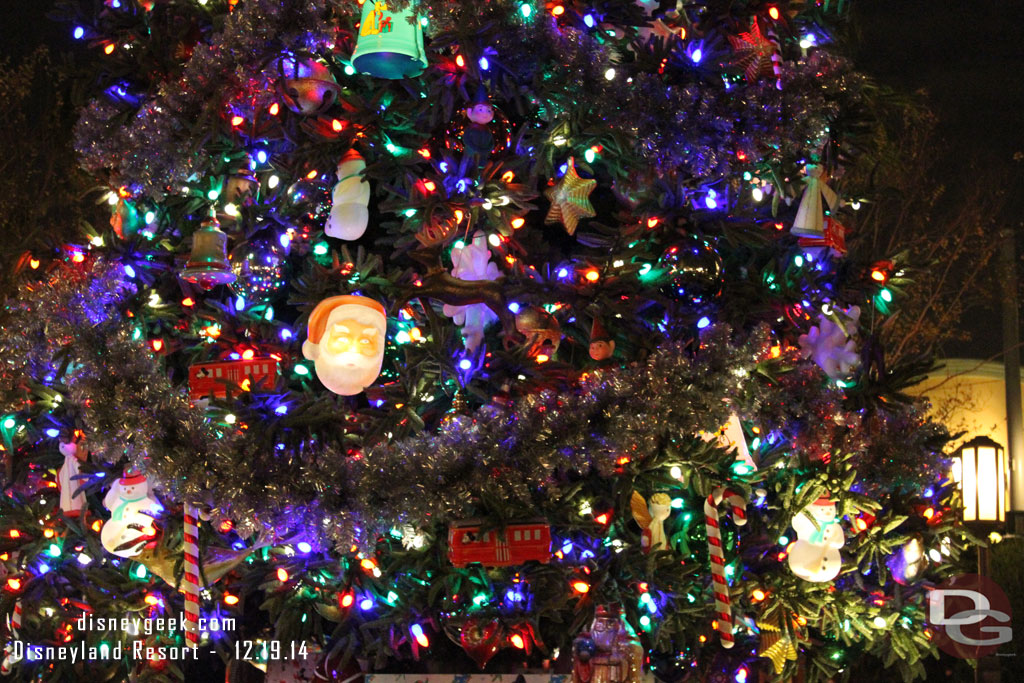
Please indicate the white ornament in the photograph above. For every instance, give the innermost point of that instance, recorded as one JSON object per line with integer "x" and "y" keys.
{"x": 346, "y": 342}
{"x": 412, "y": 538}
{"x": 810, "y": 215}
{"x": 815, "y": 555}
{"x": 472, "y": 262}
{"x": 729, "y": 436}
{"x": 132, "y": 509}
{"x": 71, "y": 500}
{"x": 349, "y": 200}
{"x": 831, "y": 346}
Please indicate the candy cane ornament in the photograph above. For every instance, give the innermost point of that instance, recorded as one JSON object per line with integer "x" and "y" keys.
{"x": 777, "y": 69}
{"x": 190, "y": 584}
{"x": 13, "y": 627}
{"x": 723, "y": 602}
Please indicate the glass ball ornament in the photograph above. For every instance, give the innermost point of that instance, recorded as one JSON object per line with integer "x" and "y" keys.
{"x": 311, "y": 194}
{"x": 695, "y": 269}
{"x": 584, "y": 649}
{"x": 908, "y": 563}
{"x": 258, "y": 266}
{"x": 499, "y": 128}
{"x": 672, "y": 667}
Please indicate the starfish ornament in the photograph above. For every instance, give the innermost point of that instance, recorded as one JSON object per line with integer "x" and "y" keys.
{"x": 775, "y": 645}
{"x": 753, "y": 52}
{"x": 570, "y": 199}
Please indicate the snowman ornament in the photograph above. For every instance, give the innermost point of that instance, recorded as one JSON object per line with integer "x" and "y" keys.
{"x": 350, "y": 199}
{"x": 815, "y": 555}
{"x": 132, "y": 509}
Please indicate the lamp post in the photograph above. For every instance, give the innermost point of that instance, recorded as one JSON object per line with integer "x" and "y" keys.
{"x": 979, "y": 469}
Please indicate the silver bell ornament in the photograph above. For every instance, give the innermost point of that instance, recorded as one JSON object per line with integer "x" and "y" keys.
{"x": 306, "y": 85}
{"x": 207, "y": 264}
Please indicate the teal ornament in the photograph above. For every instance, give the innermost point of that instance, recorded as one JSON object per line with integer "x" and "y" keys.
{"x": 390, "y": 44}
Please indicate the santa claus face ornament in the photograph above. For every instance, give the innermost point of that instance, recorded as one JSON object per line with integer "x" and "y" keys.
{"x": 346, "y": 342}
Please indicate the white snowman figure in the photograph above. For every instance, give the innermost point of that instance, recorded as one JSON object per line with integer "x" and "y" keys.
{"x": 71, "y": 500}
{"x": 349, "y": 199}
{"x": 815, "y": 555}
{"x": 132, "y": 509}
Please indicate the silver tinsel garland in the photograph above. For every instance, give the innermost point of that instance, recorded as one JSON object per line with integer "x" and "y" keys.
{"x": 132, "y": 412}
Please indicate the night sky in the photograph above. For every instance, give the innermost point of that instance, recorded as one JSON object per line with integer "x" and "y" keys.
{"x": 965, "y": 54}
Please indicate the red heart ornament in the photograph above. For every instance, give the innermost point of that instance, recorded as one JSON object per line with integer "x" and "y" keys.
{"x": 480, "y": 639}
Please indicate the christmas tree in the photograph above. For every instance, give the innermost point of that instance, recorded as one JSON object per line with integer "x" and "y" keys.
{"x": 443, "y": 335}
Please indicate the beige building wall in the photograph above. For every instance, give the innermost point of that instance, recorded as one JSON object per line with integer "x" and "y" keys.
{"x": 968, "y": 395}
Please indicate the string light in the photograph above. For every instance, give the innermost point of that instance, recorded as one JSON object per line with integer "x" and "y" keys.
{"x": 419, "y": 635}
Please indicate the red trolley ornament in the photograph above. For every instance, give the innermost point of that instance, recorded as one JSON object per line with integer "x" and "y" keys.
{"x": 515, "y": 544}
{"x": 212, "y": 379}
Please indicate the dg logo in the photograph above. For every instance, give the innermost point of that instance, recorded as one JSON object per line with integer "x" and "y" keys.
{"x": 970, "y": 615}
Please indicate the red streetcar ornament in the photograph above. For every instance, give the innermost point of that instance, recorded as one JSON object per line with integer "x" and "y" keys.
{"x": 515, "y": 544}
{"x": 212, "y": 379}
